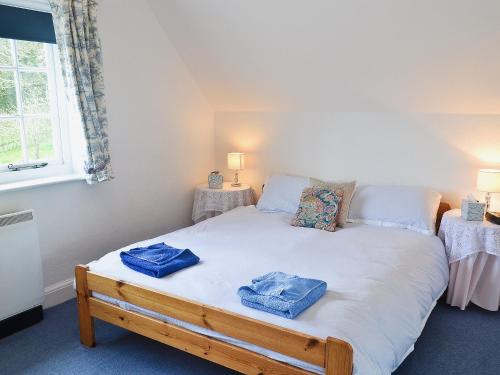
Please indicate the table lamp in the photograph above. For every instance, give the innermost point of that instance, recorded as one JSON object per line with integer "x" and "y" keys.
{"x": 488, "y": 180}
{"x": 236, "y": 162}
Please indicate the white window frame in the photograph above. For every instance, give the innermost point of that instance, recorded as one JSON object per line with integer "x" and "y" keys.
{"x": 39, "y": 5}
{"x": 62, "y": 164}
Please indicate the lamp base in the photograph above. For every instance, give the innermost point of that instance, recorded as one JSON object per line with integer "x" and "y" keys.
{"x": 493, "y": 217}
{"x": 235, "y": 183}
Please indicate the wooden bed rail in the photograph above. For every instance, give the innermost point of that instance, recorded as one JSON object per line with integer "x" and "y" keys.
{"x": 332, "y": 354}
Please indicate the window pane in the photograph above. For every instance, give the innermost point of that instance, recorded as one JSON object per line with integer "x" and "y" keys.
{"x": 5, "y": 52}
{"x": 39, "y": 138}
{"x": 10, "y": 142}
{"x": 8, "y": 102}
{"x": 30, "y": 53}
{"x": 34, "y": 87}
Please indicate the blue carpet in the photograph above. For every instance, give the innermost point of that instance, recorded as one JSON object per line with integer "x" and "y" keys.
{"x": 453, "y": 342}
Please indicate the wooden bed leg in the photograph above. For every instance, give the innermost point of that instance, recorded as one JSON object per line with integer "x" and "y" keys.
{"x": 338, "y": 358}
{"x": 86, "y": 321}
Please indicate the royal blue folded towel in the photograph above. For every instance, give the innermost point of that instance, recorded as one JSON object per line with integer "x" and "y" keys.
{"x": 158, "y": 260}
{"x": 282, "y": 294}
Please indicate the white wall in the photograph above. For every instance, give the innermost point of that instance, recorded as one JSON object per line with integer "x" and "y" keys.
{"x": 388, "y": 91}
{"x": 340, "y": 55}
{"x": 161, "y": 136}
{"x": 346, "y": 89}
{"x": 442, "y": 151}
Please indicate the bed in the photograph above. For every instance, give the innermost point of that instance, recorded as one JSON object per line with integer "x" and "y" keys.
{"x": 382, "y": 285}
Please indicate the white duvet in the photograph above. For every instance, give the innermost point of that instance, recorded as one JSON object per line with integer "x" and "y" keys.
{"x": 382, "y": 282}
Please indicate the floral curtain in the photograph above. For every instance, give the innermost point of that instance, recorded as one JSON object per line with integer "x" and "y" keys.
{"x": 75, "y": 24}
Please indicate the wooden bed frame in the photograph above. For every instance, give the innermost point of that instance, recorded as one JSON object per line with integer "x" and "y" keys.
{"x": 334, "y": 355}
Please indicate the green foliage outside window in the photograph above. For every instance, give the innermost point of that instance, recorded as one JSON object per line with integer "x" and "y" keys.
{"x": 32, "y": 99}
{"x": 8, "y": 102}
{"x": 5, "y": 53}
{"x": 30, "y": 54}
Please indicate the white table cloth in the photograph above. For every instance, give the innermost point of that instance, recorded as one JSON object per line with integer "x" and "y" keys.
{"x": 207, "y": 201}
{"x": 473, "y": 250}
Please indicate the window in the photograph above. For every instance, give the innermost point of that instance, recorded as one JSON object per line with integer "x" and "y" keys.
{"x": 32, "y": 111}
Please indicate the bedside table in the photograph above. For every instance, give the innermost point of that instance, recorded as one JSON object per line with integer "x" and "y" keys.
{"x": 473, "y": 250}
{"x": 208, "y": 202}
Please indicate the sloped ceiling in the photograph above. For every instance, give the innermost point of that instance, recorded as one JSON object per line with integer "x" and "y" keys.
{"x": 332, "y": 55}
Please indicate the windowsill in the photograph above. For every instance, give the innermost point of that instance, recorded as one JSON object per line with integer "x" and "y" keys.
{"x": 27, "y": 184}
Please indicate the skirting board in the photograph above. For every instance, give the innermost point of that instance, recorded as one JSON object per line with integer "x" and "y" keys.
{"x": 58, "y": 293}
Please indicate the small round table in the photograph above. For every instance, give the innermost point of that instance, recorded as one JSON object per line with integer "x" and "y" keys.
{"x": 473, "y": 250}
{"x": 208, "y": 202}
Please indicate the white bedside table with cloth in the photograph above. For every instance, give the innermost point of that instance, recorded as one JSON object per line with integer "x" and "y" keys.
{"x": 473, "y": 249}
{"x": 208, "y": 202}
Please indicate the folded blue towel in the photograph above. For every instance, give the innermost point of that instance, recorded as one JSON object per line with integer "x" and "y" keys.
{"x": 282, "y": 294}
{"x": 158, "y": 260}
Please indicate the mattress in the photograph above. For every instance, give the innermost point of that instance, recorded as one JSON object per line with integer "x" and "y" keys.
{"x": 382, "y": 282}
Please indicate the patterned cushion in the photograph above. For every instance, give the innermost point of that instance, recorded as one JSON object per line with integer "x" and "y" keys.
{"x": 348, "y": 190}
{"x": 318, "y": 208}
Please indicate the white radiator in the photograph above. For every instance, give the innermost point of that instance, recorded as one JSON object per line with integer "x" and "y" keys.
{"x": 21, "y": 283}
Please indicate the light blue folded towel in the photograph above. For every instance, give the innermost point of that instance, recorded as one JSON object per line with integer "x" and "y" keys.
{"x": 282, "y": 294}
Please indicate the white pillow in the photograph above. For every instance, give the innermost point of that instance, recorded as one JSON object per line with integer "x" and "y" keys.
{"x": 413, "y": 208}
{"x": 282, "y": 193}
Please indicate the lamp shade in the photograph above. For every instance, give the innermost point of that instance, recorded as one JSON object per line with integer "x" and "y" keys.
{"x": 235, "y": 161}
{"x": 488, "y": 180}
